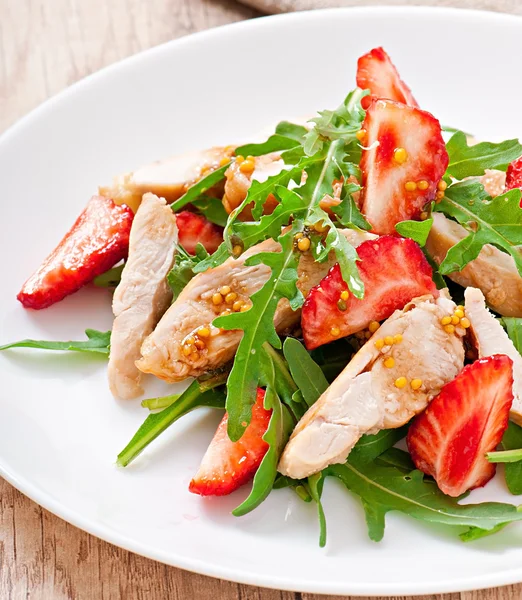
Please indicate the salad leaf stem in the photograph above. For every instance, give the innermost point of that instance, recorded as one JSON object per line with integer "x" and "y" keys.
{"x": 98, "y": 342}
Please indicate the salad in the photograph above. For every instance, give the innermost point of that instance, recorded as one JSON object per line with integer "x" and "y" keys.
{"x": 348, "y": 292}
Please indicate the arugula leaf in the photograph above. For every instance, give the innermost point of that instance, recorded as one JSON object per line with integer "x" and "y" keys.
{"x": 438, "y": 279}
{"x": 383, "y": 489}
{"x": 395, "y": 457}
{"x": 315, "y": 485}
{"x": 214, "y": 260}
{"x": 512, "y": 440}
{"x": 274, "y": 143}
{"x": 369, "y": 447}
{"x": 418, "y": 231}
{"x": 184, "y": 266}
{"x": 258, "y": 326}
{"x": 292, "y": 131}
{"x": 505, "y": 456}
{"x": 347, "y": 212}
{"x": 98, "y": 342}
{"x": 475, "y": 533}
{"x": 333, "y": 357}
{"x": 212, "y": 209}
{"x": 489, "y": 221}
{"x": 468, "y": 161}
{"x": 514, "y": 330}
{"x": 155, "y": 424}
{"x": 109, "y": 279}
{"x": 200, "y": 188}
{"x": 342, "y": 123}
{"x": 306, "y": 373}
{"x": 160, "y": 403}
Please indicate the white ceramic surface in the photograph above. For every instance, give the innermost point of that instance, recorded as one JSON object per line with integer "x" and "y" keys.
{"x": 60, "y": 430}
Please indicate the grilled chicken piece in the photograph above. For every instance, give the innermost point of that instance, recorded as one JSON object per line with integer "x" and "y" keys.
{"x": 493, "y": 271}
{"x": 365, "y": 398}
{"x": 490, "y": 338}
{"x": 167, "y": 178}
{"x": 171, "y": 352}
{"x": 143, "y": 295}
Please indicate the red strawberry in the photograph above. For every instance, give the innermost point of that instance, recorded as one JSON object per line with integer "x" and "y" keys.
{"x": 196, "y": 228}
{"x": 514, "y": 175}
{"x": 96, "y": 242}
{"x": 465, "y": 421}
{"x": 394, "y": 270}
{"x": 377, "y": 73}
{"x": 404, "y": 148}
{"x": 228, "y": 465}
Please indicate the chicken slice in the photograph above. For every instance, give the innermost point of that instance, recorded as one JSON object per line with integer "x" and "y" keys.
{"x": 493, "y": 271}
{"x": 143, "y": 295}
{"x": 364, "y": 398}
{"x": 490, "y": 338}
{"x": 169, "y": 352}
{"x": 168, "y": 178}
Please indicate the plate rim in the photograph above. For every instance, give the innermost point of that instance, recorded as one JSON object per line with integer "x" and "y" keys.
{"x": 105, "y": 532}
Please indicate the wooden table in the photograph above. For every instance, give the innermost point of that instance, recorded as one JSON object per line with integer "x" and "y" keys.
{"x": 46, "y": 45}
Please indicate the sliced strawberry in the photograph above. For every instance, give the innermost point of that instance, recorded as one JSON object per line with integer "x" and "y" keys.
{"x": 514, "y": 175}
{"x": 96, "y": 242}
{"x": 377, "y": 73}
{"x": 394, "y": 271}
{"x": 465, "y": 421}
{"x": 196, "y": 228}
{"x": 404, "y": 145}
{"x": 228, "y": 465}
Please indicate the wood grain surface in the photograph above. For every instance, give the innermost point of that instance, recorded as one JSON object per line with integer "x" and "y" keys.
{"x": 46, "y": 45}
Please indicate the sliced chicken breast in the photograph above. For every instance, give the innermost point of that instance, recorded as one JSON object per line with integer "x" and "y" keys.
{"x": 168, "y": 178}
{"x": 369, "y": 395}
{"x": 493, "y": 271}
{"x": 143, "y": 295}
{"x": 185, "y": 344}
{"x": 490, "y": 338}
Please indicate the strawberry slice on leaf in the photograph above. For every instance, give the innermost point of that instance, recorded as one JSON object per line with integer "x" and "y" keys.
{"x": 96, "y": 242}
{"x": 514, "y": 175}
{"x": 394, "y": 271}
{"x": 449, "y": 441}
{"x": 228, "y": 465}
{"x": 194, "y": 229}
{"x": 402, "y": 163}
{"x": 377, "y": 73}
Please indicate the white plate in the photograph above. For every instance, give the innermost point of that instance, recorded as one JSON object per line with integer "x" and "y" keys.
{"x": 60, "y": 430}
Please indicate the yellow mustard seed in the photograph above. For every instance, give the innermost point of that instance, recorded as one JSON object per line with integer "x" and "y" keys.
{"x": 236, "y": 307}
{"x": 250, "y": 157}
{"x": 400, "y": 382}
{"x": 449, "y": 328}
{"x": 445, "y": 321}
{"x": 410, "y": 186}
{"x": 239, "y": 159}
{"x": 187, "y": 350}
{"x": 416, "y": 384}
{"x": 459, "y": 313}
{"x": 455, "y": 320}
{"x": 460, "y": 307}
{"x": 424, "y": 215}
{"x": 231, "y": 297}
{"x": 303, "y": 244}
{"x": 379, "y": 344}
{"x": 298, "y": 235}
{"x": 465, "y": 322}
{"x": 200, "y": 344}
{"x": 217, "y": 299}
{"x": 442, "y": 185}
{"x": 361, "y": 135}
{"x": 439, "y": 195}
{"x": 225, "y": 290}
{"x": 388, "y": 340}
{"x": 341, "y": 305}
{"x": 397, "y": 339}
{"x": 400, "y": 155}
{"x": 373, "y": 326}
{"x": 237, "y": 250}
{"x": 245, "y": 307}
{"x": 423, "y": 185}
{"x": 247, "y": 166}
{"x": 335, "y": 331}
{"x": 224, "y": 161}
{"x": 320, "y": 227}
{"x": 345, "y": 295}
{"x": 203, "y": 332}
{"x": 389, "y": 362}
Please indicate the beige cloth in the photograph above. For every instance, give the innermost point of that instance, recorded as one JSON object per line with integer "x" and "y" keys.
{"x": 279, "y": 6}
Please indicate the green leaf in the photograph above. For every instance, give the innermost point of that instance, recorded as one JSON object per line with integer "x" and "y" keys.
{"x": 383, "y": 489}
{"x": 212, "y": 261}
{"x": 333, "y": 357}
{"x": 291, "y": 130}
{"x": 369, "y": 447}
{"x": 212, "y": 209}
{"x": 258, "y": 326}
{"x": 109, "y": 279}
{"x": 505, "y": 456}
{"x": 418, "y": 231}
{"x": 306, "y": 373}
{"x": 315, "y": 485}
{"x": 183, "y": 269}
{"x": 475, "y": 533}
{"x": 489, "y": 220}
{"x": 156, "y": 424}
{"x": 200, "y": 188}
{"x": 98, "y": 342}
{"x": 395, "y": 457}
{"x": 160, "y": 403}
{"x": 514, "y": 330}
{"x": 512, "y": 440}
{"x": 468, "y": 161}
{"x": 274, "y": 143}
{"x": 347, "y": 212}
{"x": 276, "y": 436}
